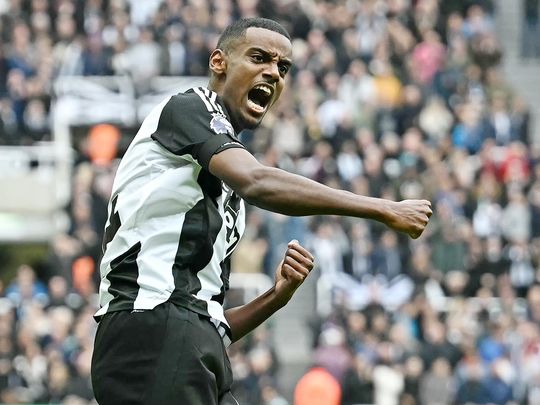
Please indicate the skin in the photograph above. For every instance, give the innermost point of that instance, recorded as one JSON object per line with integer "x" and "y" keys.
{"x": 263, "y": 56}
{"x": 290, "y": 274}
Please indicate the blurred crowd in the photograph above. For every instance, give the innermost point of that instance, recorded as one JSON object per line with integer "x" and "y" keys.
{"x": 388, "y": 98}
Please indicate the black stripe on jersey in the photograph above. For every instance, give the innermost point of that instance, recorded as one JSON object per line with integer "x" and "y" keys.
{"x": 231, "y": 206}
{"x": 114, "y": 224}
{"x": 225, "y": 272}
{"x": 123, "y": 278}
{"x": 195, "y": 248}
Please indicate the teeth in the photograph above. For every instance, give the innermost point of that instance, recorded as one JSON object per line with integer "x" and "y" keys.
{"x": 263, "y": 88}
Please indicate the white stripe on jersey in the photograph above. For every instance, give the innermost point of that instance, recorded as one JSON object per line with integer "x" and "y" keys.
{"x": 216, "y": 312}
{"x": 155, "y": 257}
{"x": 212, "y": 99}
{"x": 205, "y": 99}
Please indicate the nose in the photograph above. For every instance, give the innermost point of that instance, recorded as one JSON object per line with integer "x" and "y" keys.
{"x": 271, "y": 72}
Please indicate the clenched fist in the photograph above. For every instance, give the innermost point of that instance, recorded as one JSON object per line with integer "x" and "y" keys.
{"x": 408, "y": 216}
{"x": 293, "y": 270}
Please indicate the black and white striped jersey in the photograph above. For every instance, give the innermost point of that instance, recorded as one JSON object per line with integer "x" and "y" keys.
{"x": 172, "y": 225}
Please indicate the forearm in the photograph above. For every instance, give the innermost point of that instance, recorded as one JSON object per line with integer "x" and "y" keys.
{"x": 277, "y": 190}
{"x": 245, "y": 318}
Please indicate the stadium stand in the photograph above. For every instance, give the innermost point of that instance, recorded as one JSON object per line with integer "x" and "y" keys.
{"x": 390, "y": 98}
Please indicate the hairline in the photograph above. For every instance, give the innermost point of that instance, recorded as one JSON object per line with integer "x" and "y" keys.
{"x": 234, "y": 41}
{"x": 241, "y": 27}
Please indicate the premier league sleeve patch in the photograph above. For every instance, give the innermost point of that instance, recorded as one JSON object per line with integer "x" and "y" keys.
{"x": 220, "y": 125}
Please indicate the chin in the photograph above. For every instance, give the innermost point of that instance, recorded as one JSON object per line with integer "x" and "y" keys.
{"x": 251, "y": 123}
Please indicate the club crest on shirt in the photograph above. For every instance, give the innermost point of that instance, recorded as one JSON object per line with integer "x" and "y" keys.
{"x": 220, "y": 125}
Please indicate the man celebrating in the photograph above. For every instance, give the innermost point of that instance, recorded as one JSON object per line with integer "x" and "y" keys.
{"x": 177, "y": 213}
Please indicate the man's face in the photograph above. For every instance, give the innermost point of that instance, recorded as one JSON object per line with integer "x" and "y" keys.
{"x": 255, "y": 75}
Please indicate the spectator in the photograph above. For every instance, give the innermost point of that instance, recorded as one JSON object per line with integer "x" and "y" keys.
{"x": 530, "y": 46}
{"x": 317, "y": 387}
{"x": 129, "y": 61}
{"x": 436, "y": 344}
{"x": 414, "y": 369}
{"x": 357, "y": 385}
{"x": 436, "y": 386}
{"x": 388, "y": 382}
{"x": 271, "y": 396}
{"x": 427, "y": 57}
{"x": 499, "y": 382}
{"x": 96, "y": 58}
{"x": 26, "y": 288}
{"x": 387, "y": 99}
{"x": 332, "y": 353}
{"x": 472, "y": 389}
{"x": 521, "y": 269}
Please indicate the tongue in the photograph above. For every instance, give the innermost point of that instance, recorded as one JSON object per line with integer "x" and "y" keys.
{"x": 253, "y": 104}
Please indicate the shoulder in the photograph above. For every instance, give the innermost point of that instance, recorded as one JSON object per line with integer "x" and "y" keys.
{"x": 182, "y": 111}
{"x": 184, "y": 103}
{"x": 196, "y": 123}
{"x": 197, "y": 100}
{"x": 199, "y": 107}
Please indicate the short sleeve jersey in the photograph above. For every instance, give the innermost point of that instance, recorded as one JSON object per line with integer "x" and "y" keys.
{"x": 173, "y": 225}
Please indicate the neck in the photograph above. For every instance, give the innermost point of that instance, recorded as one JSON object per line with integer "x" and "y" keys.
{"x": 215, "y": 86}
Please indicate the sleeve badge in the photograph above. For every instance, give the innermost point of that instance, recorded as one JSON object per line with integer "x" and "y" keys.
{"x": 220, "y": 125}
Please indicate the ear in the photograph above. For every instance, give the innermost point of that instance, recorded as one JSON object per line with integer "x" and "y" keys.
{"x": 218, "y": 62}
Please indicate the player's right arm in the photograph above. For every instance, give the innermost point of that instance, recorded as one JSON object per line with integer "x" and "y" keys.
{"x": 280, "y": 191}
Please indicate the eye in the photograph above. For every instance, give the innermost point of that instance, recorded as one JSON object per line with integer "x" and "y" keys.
{"x": 257, "y": 57}
{"x": 283, "y": 69}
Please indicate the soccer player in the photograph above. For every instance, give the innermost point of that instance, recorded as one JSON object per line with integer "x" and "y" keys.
{"x": 176, "y": 214}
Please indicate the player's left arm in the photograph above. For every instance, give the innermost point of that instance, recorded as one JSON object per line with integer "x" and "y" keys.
{"x": 290, "y": 274}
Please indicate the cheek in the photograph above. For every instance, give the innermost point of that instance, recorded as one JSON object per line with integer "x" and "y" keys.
{"x": 231, "y": 88}
{"x": 237, "y": 82}
{"x": 279, "y": 89}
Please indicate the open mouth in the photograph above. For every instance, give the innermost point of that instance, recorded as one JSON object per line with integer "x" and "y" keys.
{"x": 259, "y": 97}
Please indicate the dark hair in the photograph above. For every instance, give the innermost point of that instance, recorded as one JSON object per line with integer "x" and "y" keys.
{"x": 238, "y": 29}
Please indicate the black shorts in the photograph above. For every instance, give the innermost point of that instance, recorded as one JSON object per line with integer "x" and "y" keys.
{"x": 168, "y": 355}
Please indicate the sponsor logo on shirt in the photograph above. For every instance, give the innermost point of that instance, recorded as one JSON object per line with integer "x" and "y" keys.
{"x": 231, "y": 205}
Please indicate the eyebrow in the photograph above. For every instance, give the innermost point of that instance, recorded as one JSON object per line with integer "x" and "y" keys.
{"x": 283, "y": 60}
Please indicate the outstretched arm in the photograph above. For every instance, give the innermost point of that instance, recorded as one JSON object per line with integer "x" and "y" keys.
{"x": 280, "y": 191}
{"x": 290, "y": 274}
